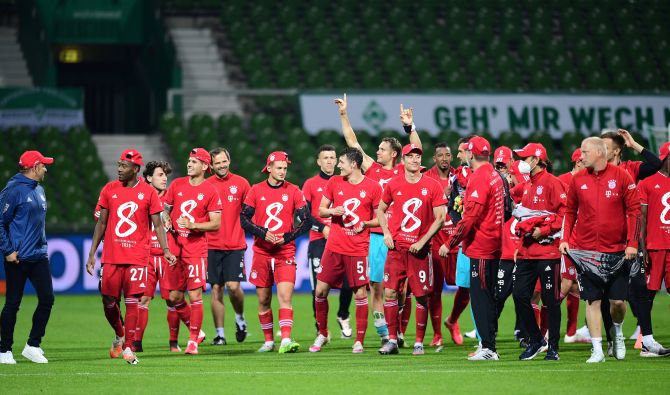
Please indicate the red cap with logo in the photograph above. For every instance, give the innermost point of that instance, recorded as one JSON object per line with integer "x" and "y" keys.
{"x": 521, "y": 170}
{"x": 576, "y": 155}
{"x": 411, "y": 148}
{"x": 202, "y": 155}
{"x": 33, "y": 158}
{"x": 275, "y": 156}
{"x": 479, "y": 146}
{"x": 502, "y": 155}
{"x": 133, "y": 156}
{"x": 665, "y": 150}
{"x": 532, "y": 149}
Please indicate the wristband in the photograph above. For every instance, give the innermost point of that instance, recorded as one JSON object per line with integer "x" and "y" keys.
{"x": 409, "y": 128}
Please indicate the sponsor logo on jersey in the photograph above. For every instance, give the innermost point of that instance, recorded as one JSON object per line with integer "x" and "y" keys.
{"x": 180, "y": 194}
{"x": 657, "y": 186}
{"x": 631, "y": 186}
{"x": 319, "y": 189}
{"x": 114, "y": 196}
{"x": 474, "y": 194}
{"x": 262, "y": 198}
{"x": 584, "y": 187}
{"x": 399, "y": 193}
{"x": 340, "y": 193}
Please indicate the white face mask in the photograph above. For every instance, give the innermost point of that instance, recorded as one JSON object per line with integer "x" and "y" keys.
{"x": 529, "y": 166}
{"x": 524, "y": 168}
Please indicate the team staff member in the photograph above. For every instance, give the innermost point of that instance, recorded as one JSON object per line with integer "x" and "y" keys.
{"x": 24, "y": 246}
{"x": 480, "y": 229}
{"x": 226, "y": 247}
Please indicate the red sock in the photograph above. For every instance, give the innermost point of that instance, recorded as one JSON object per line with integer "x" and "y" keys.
{"x": 435, "y": 308}
{"x": 142, "y": 320}
{"x": 406, "y": 313}
{"x": 266, "y": 325}
{"x": 573, "y": 311}
{"x": 184, "y": 312}
{"x": 361, "y": 319}
{"x": 173, "y": 323}
{"x": 544, "y": 320}
{"x": 461, "y": 300}
{"x": 113, "y": 315}
{"x": 536, "y": 310}
{"x": 131, "y": 319}
{"x": 421, "y": 321}
{"x": 286, "y": 323}
{"x": 391, "y": 313}
{"x": 195, "y": 323}
{"x": 321, "y": 306}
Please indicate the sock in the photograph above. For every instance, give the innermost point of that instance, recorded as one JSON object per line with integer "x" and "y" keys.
{"x": 618, "y": 328}
{"x": 173, "y": 323}
{"x": 195, "y": 323}
{"x": 380, "y": 324}
{"x": 435, "y": 309}
{"x": 142, "y": 320}
{"x": 597, "y": 343}
{"x": 536, "y": 310}
{"x": 239, "y": 319}
{"x": 361, "y": 319}
{"x": 573, "y": 311}
{"x": 220, "y": 332}
{"x": 286, "y": 323}
{"x": 131, "y": 320}
{"x": 544, "y": 320}
{"x": 391, "y": 310}
{"x": 266, "y": 325}
{"x": 647, "y": 340}
{"x": 406, "y": 313}
{"x": 461, "y": 300}
{"x": 421, "y": 321}
{"x": 184, "y": 312}
{"x": 113, "y": 315}
{"x": 321, "y": 307}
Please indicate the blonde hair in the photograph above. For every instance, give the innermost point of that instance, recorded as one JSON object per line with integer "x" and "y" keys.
{"x": 597, "y": 143}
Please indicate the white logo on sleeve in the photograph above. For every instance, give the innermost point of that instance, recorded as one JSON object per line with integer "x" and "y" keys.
{"x": 187, "y": 208}
{"x": 125, "y": 211}
{"x": 413, "y": 204}
{"x": 474, "y": 194}
{"x": 272, "y": 211}
{"x": 349, "y": 206}
{"x": 584, "y": 187}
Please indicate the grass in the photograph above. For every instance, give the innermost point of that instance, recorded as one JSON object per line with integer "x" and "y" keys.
{"x": 78, "y": 338}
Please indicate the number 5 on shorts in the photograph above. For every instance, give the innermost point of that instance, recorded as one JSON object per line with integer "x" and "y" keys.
{"x": 360, "y": 267}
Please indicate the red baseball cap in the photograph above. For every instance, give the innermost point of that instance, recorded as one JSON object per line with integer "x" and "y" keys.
{"x": 521, "y": 170}
{"x": 532, "y": 149}
{"x": 502, "y": 155}
{"x": 202, "y": 155}
{"x": 33, "y": 158}
{"x": 665, "y": 150}
{"x": 133, "y": 156}
{"x": 479, "y": 146}
{"x": 411, "y": 148}
{"x": 275, "y": 156}
{"x": 576, "y": 155}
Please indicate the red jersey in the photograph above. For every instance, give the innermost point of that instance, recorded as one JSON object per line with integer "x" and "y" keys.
{"x": 483, "y": 214}
{"x": 128, "y": 225}
{"x": 633, "y": 168}
{"x": 359, "y": 202}
{"x": 274, "y": 209}
{"x": 606, "y": 206}
{"x": 232, "y": 190}
{"x": 655, "y": 194}
{"x": 194, "y": 202}
{"x": 381, "y": 175}
{"x": 156, "y": 249}
{"x": 510, "y": 241}
{"x": 414, "y": 205}
{"x": 313, "y": 192}
{"x": 448, "y": 229}
{"x": 566, "y": 178}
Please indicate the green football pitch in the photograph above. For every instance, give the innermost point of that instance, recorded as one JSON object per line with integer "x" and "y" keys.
{"x": 78, "y": 339}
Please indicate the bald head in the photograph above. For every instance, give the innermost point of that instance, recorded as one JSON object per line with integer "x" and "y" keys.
{"x": 594, "y": 153}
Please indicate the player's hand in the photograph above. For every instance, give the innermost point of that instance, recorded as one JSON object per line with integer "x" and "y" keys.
{"x": 326, "y": 232}
{"x": 183, "y": 222}
{"x": 342, "y": 104}
{"x": 172, "y": 260}
{"x": 279, "y": 239}
{"x": 537, "y": 234}
{"x": 628, "y": 139}
{"x": 13, "y": 258}
{"x": 270, "y": 237}
{"x": 359, "y": 227}
{"x": 630, "y": 253}
{"x": 406, "y": 115}
{"x": 563, "y": 248}
{"x": 645, "y": 258}
{"x": 388, "y": 241}
{"x": 90, "y": 264}
{"x": 416, "y": 247}
{"x": 337, "y": 211}
{"x": 444, "y": 250}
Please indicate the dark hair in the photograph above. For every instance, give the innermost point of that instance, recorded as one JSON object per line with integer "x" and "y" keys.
{"x": 325, "y": 147}
{"x": 153, "y": 165}
{"x": 353, "y": 155}
{"x": 441, "y": 145}
{"x": 616, "y": 138}
{"x": 217, "y": 151}
{"x": 465, "y": 139}
{"x": 547, "y": 165}
{"x": 395, "y": 146}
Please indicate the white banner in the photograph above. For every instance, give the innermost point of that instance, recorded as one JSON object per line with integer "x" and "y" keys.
{"x": 469, "y": 113}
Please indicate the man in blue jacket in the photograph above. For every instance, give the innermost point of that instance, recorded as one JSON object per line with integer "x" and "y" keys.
{"x": 23, "y": 244}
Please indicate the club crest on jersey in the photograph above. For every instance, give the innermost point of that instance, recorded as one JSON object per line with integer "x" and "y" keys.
{"x": 140, "y": 196}
{"x": 424, "y": 191}
{"x": 539, "y": 190}
{"x": 611, "y": 184}
{"x": 233, "y": 189}
{"x": 201, "y": 196}
{"x": 254, "y": 274}
{"x": 362, "y": 194}
{"x": 284, "y": 197}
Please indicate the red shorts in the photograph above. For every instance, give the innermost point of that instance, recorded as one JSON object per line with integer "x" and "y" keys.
{"x": 417, "y": 269}
{"x": 194, "y": 271}
{"x": 660, "y": 269}
{"x": 267, "y": 270}
{"x": 444, "y": 269}
{"x": 171, "y": 278}
{"x": 568, "y": 270}
{"x": 334, "y": 268}
{"x": 155, "y": 266}
{"x": 131, "y": 279}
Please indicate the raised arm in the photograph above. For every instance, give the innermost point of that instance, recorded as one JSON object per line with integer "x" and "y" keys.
{"x": 348, "y": 132}
{"x": 407, "y": 119}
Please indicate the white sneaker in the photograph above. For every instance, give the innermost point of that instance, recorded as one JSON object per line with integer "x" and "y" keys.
{"x": 655, "y": 349}
{"x": 635, "y": 334}
{"x": 34, "y": 354}
{"x": 130, "y": 357}
{"x": 584, "y": 334}
{"x": 357, "y": 348}
{"x": 7, "y": 358}
{"x": 319, "y": 342}
{"x": 570, "y": 339}
{"x": 471, "y": 335}
{"x": 484, "y": 355}
{"x": 345, "y": 326}
{"x": 596, "y": 356}
{"x": 619, "y": 347}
